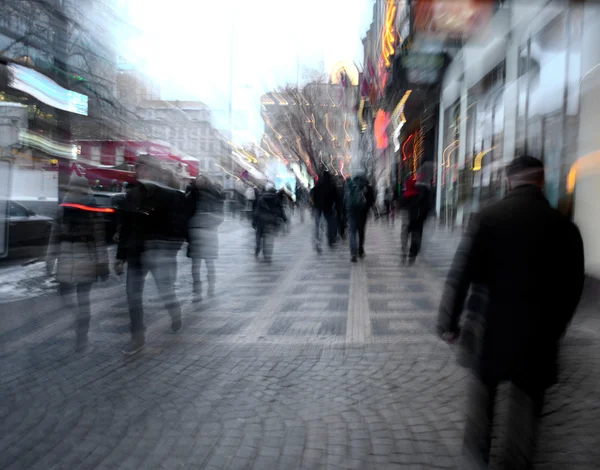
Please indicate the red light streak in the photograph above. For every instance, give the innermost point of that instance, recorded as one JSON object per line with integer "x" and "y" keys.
{"x": 106, "y": 210}
{"x": 408, "y": 139}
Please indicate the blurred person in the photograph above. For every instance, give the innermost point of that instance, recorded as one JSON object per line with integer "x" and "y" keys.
{"x": 153, "y": 230}
{"x": 529, "y": 259}
{"x": 360, "y": 198}
{"x": 78, "y": 248}
{"x": 268, "y": 216}
{"x": 388, "y": 201}
{"x": 287, "y": 203}
{"x": 325, "y": 198}
{"x": 301, "y": 200}
{"x": 340, "y": 209}
{"x": 250, "y": 196}
{"x": 416, "y": 205}
{"x": 206, "y": 203}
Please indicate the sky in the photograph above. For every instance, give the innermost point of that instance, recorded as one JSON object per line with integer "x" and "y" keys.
{"x": 188, "y": 46}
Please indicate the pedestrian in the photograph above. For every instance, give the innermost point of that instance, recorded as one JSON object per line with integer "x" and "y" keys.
{"x": 359, "y": 198}
{"x": 301, "y": 200}
{"x": 153, "y": 230}
{"x": 78, "y": 248}
{"x": 340, "y": 209}
{"x": 325, "y": 198}
{"x": 268, "y": 217}
{"x": 206, "y": 202}
{"x": 529, "y": 259}
{"x": 416, "y": 204}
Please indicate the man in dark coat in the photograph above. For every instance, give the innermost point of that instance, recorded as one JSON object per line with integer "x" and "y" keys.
{"x": 415, "y": 205}
{"x": 325, "y": 200}
{"x": 359, "y": 198}
{"x": 529, "y": 258}
{"x": 154, "y": 227}
{"x": 268, "y": 217}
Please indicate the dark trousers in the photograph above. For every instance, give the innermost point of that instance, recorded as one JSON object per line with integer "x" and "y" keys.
{"x": 331, "y": 226}
{"x": 525, "y": 408}
{"x": 161, "y": 262}
{"x": 356, "y": 227}
{"x": 81, "y": 308}
{"x": 265, "y": 241}
{"x": 412, "y": 229}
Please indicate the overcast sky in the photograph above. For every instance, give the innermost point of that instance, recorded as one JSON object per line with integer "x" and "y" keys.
{"x": 187, "y": 45}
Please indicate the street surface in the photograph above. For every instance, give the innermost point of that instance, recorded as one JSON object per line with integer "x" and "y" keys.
{"x": 309, "y": 362}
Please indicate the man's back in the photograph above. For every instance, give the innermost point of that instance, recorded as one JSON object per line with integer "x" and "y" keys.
{"x": 530, "y": 258}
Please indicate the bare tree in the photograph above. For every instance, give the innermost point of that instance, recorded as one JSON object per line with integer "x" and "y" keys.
{"x": 309, "y": 124}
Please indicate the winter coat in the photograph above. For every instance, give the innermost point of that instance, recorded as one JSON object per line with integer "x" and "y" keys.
{"x": 152, "y": 212}
{"x": 362, "y": 184}
{"x": 203, "y": 236}
{"x": 325, "y": 195}
{"x": 77, "y": 241}
{"x": 269, "y": 211}
{"x": 416, "y": 200}
{"x": 529, "y": 258}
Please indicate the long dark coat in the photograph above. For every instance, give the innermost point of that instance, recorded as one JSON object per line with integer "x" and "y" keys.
{"x": 529, "y": 257}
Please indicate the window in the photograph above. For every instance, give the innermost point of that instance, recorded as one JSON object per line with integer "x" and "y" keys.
{"x": 17, "y": 210}
{"x": 211, "y": 147}
{"x": 120, "y": 156}
{"x": 96, "y": 154}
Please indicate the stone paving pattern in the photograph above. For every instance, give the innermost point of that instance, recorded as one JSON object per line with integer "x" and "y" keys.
{"x": 309, "y": 362}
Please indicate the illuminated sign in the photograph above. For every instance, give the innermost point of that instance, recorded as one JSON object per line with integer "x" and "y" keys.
{"x": 47, "y": 91}
{"x": 454, "y": 18}
{"x": 51, "y": 147}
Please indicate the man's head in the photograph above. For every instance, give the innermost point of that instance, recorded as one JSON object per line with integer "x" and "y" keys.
{"x": 525, "y": 171}
{"x": 146, "y": 168}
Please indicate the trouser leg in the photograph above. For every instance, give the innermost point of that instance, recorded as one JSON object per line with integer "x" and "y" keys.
{"x": 404, "y": 235}
{"x": 259, "y": 238}
{"x": 269, "y": 242}
{"x": 416, "y": 235}
{"x": 163, "y": 267}
{"x": 478, "y": 429}
{"x": 136, "y": 275}
{"x": 331, "y": 229}
{"x": 361, "y": 227}
{"x": 317, "y": 214}
{"x": 196, "y": 276}
{"x": 212, "y": 275}
{"x": 84, "y": 308}
{"x": 353, "y": 236}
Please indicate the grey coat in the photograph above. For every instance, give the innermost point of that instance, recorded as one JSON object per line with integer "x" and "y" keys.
{"x": 203, "y": 236}
{"x": 77, "y": 242}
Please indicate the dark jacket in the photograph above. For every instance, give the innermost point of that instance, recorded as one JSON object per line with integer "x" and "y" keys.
{"x": 362, "y": 184}
{"x": 529, "y": 258}
{"x": 77, "y": 241}
{"x": 325, "y": 195}
{"x": 269, "y": 211}
{"x": 203, "y": 241}
{"x": 152, "y": 212}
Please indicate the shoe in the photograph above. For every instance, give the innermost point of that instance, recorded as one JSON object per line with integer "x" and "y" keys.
{"x": 211, "y": 292}
{"x": 411, "y": 260}
{"x": 197, "y": 298}
{"x": 176, "y": 325}
{"x": 319, "y": 249}
{"x": 354, "y": 259}
{"x": 361, "y": 252}
{"x": 256, "y": 253}
{"x": 134, "y": 347}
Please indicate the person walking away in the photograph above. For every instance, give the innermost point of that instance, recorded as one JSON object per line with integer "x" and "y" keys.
{"x": 529, "y": 258}
{"x": 360, "y": 198}
{"x": 301, "y": 200}
{"x": 250, "y": 196}
{"x": 325, "y": 198}
{"x": 154, "y": 228}
{"x": 340, "y": 209}
{"x": 77, "y": 247}
{"x": 415, "y": 210}
{"x": 268, "y": 217}
{"x": 203, "y": 235}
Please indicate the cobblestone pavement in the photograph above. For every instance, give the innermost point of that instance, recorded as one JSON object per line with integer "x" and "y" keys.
{"x": 308, "y": 362}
